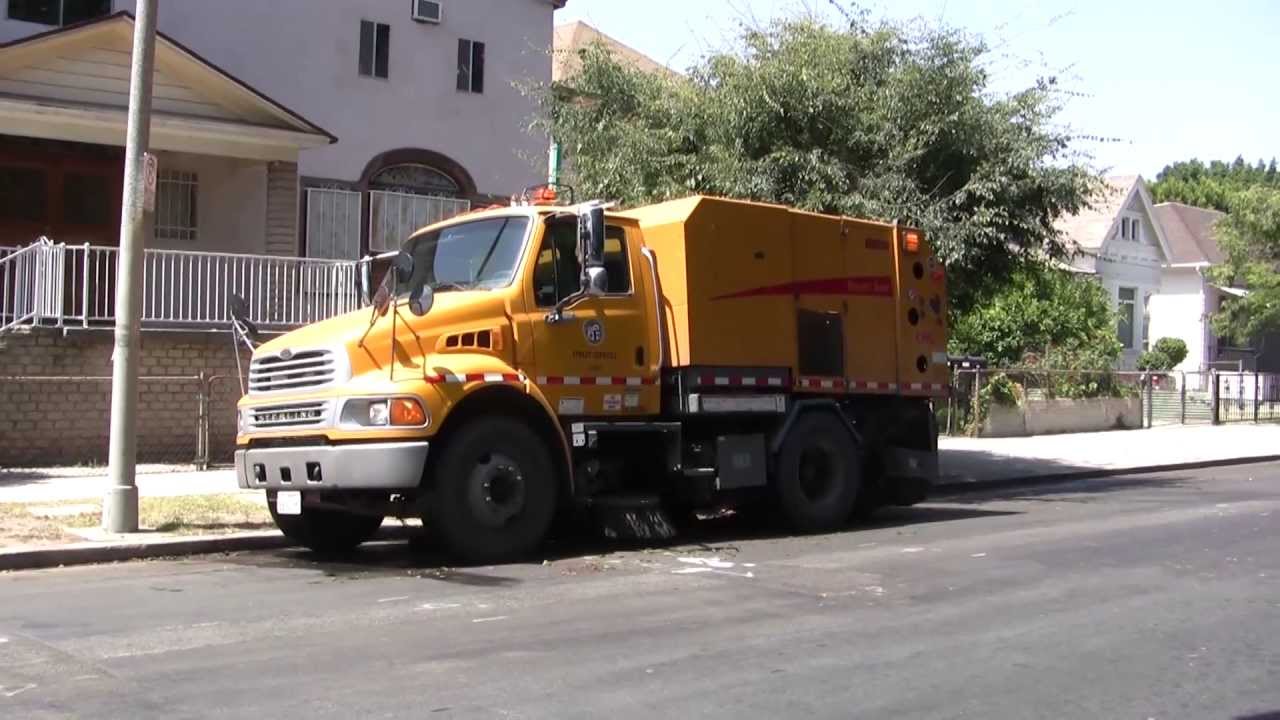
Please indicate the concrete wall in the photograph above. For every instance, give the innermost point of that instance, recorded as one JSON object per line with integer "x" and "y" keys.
{"x": 1051, "y": 417}
{"x": 61, "y": 422}
{"x": 304, "y": 54}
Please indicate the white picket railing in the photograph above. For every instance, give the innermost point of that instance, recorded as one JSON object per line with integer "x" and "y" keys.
{"x": 28, "y": 289}
{"x": 62, "y": 285}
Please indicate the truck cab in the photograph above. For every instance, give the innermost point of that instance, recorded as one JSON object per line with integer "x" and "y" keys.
{"x": 524, "y": 361}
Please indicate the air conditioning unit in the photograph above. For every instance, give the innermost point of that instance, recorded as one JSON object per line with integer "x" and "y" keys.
{"x": 428, "y": 11}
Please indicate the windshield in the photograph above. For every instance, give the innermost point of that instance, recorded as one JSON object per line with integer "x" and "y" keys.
{"x": 479, "y": 255}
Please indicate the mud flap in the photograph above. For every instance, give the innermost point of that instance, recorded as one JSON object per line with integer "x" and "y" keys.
{"x": 909, "y": 474}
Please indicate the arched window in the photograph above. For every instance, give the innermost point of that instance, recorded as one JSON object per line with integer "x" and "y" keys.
{"x": 414, "y": 179}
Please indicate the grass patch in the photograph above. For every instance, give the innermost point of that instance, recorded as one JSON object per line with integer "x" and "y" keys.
{"x": 190, "y": 515}
{"x": 19, "y": 527}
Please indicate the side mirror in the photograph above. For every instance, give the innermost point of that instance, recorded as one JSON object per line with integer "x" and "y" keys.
{"x": 381, "y": 301}
{"x": 364, "y": 279}
{"x": 421, "y": 300}
{"x": 403, "y": 266}
{"x": 239, "y": 309}
{"x": 595, "y": 279}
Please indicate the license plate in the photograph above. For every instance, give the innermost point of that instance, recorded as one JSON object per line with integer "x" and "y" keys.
{"x": 289, "y": 502}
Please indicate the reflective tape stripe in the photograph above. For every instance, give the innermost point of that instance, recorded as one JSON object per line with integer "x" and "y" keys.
{"x": 609, "y": 381}
{"x": 452, "y": 379}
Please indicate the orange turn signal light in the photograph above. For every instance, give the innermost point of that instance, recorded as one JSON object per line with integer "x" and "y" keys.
{"x": 911, "y": 241}
{"x": 407, "y": 411}
{"x": 544, "y": 196}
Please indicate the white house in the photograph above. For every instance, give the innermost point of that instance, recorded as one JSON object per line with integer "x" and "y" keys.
{"x": 1121, "y": 242}
{"x": 1188, "y": 299}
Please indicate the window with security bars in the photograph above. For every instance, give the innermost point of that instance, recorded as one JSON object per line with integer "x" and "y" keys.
{"x": 394, "y": 216}
{"x": 333, "y": 223}
{"x": 177, "y": 216}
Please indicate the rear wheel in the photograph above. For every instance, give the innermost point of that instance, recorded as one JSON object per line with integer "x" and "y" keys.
{"x": 494, "y": 493}
{"x": 818, "y": 474}
{"x": 325, "y": 530}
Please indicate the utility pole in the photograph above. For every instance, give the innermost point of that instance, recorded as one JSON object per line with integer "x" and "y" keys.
{"x": 120, "y": 506}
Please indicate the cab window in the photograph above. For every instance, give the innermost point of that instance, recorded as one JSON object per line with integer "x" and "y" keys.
{"x": 557, "y": 274}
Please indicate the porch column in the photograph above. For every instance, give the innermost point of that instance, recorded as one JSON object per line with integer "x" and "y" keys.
{"x": 282, "y": 209}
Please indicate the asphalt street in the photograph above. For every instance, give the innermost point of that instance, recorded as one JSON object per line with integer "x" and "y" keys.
{"x": 1136, "y": 597}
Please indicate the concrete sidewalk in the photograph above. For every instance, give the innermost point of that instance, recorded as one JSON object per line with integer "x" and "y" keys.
{"x": 965, "y": 461}
{"x": 1002, "y": 461}
{"x": 39, "y": 485}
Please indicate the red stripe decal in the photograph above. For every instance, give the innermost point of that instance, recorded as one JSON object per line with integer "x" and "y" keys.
{"x": 866, "y": 285}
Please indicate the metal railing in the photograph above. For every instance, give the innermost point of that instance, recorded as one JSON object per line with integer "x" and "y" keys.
{"x": 61, "y": 285}
{"x": 28, "y": 287}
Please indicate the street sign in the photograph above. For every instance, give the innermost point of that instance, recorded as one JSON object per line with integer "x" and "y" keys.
{"x": 150, "y": 170}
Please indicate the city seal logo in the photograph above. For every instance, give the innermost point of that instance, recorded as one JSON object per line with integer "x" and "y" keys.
{"x": 593, "y": 331}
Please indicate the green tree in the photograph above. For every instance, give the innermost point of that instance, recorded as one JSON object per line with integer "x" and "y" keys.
{"x": 874, "y": 119}
{"x": 1043, "y": 316}
{"x": 1250, "y": 238}
{"x": 1214, "y": 185}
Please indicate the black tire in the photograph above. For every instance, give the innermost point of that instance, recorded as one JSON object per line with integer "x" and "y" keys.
{"x": 325, "y": 531}
{"x": 494, "y": 492}
{"x": 818, "y": 474}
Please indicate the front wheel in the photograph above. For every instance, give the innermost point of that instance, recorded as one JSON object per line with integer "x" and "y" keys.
{"x": 494, "y": 493}
{"x": 324, "y": 530}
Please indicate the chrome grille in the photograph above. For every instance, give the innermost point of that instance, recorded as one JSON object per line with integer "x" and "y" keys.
{"x": 292, "y": 415}
{"x": 292, "y": 371}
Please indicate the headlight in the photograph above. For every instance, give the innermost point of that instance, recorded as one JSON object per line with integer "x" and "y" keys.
{"x": 384, "y": 412}
{"x": 242, "y": 421}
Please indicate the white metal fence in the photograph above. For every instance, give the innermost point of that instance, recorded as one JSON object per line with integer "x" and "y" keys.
{"x": 61, "y": 285}
{"x": 28, "y": 287}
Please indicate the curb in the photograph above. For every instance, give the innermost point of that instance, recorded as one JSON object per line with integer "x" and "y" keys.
{"x": 91, "y": 553}
{"x": 946, "y": 489}
{"x": 86, "y": 553}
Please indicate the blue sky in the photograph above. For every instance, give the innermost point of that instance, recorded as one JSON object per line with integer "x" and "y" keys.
{"x": 1165, "y": 81}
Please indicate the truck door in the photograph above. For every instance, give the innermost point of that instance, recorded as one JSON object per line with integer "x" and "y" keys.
{"x": 596, "y": 360}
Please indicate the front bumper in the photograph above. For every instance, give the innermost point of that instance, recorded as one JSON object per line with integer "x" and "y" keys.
{"x": 374, "y": 466}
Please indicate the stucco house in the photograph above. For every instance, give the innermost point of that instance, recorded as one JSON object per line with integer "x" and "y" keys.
{"x": 1188, "y": 299}
{"x": 1120, "y": 241}
{"x": 406, "y": 115}
{"x": 292, "y": 136}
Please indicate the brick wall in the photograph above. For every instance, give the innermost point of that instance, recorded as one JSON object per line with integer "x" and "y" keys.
{"x": 60, "y": 422}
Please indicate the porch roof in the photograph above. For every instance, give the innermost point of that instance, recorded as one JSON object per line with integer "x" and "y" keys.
{"x": 73, "y": 84}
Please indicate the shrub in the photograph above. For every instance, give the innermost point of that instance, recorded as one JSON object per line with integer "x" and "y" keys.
{"x": 1164, "y": 355}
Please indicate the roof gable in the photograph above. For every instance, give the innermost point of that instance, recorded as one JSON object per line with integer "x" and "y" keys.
{"x": 88, "y": 65}
{"x": 1089, "y": 231}
{"x": 1190, "y": 231}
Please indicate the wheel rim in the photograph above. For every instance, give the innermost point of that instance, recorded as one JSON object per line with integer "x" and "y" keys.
{"x": 496, "y": 490}
{"x": 818, "y": 472}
